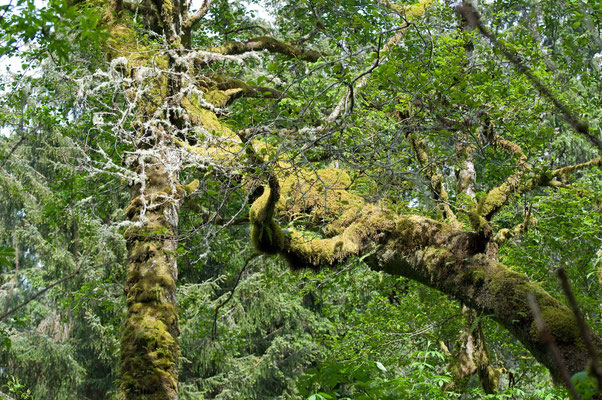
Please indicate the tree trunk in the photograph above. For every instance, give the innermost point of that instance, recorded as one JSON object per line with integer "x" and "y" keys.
{"x": 149, "y": 346}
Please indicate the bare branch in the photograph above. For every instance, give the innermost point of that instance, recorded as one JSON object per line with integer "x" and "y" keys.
{"x": 231, "y": 294}
{"x": 197, "y": 16}
{"x": 41, "y": 292}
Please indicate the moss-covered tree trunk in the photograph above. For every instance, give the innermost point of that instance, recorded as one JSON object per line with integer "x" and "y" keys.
{"x": 149, "y": 339}
{"x": 149, "y": 346}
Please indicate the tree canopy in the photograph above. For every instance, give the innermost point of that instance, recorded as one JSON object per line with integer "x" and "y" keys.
{"x": 302, "y": 200}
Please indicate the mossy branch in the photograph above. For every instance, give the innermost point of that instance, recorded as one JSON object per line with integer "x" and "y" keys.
{"x": 499, "y": 196}
{"x": 270, "y": 44}
{"x": 436, "y": 179}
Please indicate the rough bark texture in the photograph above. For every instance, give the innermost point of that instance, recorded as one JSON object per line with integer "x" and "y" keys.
{"x": 149, "y": 345}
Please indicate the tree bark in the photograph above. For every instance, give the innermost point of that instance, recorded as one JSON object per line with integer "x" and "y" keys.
{"x": 438, "y": 255}
{"x": 149, "y": 346}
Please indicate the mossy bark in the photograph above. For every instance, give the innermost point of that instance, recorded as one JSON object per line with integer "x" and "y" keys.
{"x": 149, "y": 346}
{"x": 439, "y": 255}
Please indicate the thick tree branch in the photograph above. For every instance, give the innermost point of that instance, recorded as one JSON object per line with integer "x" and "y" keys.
{"x": 435, "y": 254}
{"x": 267, "y": 43}
{"x": 499, "y": 196}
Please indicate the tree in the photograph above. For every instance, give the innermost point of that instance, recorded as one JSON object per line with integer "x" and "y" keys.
{"x": 314, "y": 178}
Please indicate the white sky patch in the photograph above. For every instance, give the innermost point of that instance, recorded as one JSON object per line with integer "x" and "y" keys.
{"x": 260, "y": 8}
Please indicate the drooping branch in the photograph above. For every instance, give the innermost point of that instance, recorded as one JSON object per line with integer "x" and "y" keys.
{"x": 270, "y": 44}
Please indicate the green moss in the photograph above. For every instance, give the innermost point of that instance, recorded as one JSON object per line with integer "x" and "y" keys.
{"x": 560, "y": 322}
{"x": 323, "y": 195}
{"x": 495, "y": 199}
{"x": 217, "y": 98}
{"x": 149, "y": 354}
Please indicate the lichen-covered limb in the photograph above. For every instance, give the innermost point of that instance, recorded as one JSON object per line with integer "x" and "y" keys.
{"x": 436, "y": 179}
{"x": 270, "y": 44}
{"x": 499, "y": 196}
{"x": 191, "y": 20}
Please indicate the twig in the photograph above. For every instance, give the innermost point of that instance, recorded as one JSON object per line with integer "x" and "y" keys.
{"x": 10, "y": 153}
{"x": 548, "y": 340}
{"x": 585, "y": 333}
{"x": 223, "y": 303}
{"x": 41, "y": 292}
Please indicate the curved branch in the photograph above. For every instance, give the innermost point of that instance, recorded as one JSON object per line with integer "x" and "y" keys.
{"x": 38, "y": 294}
{"x": 451, "y": 261}
{"x": 438, "y": 255}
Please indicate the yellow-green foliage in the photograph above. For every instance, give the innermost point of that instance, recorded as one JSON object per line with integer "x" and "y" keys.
{"x": 323, "y": 195}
